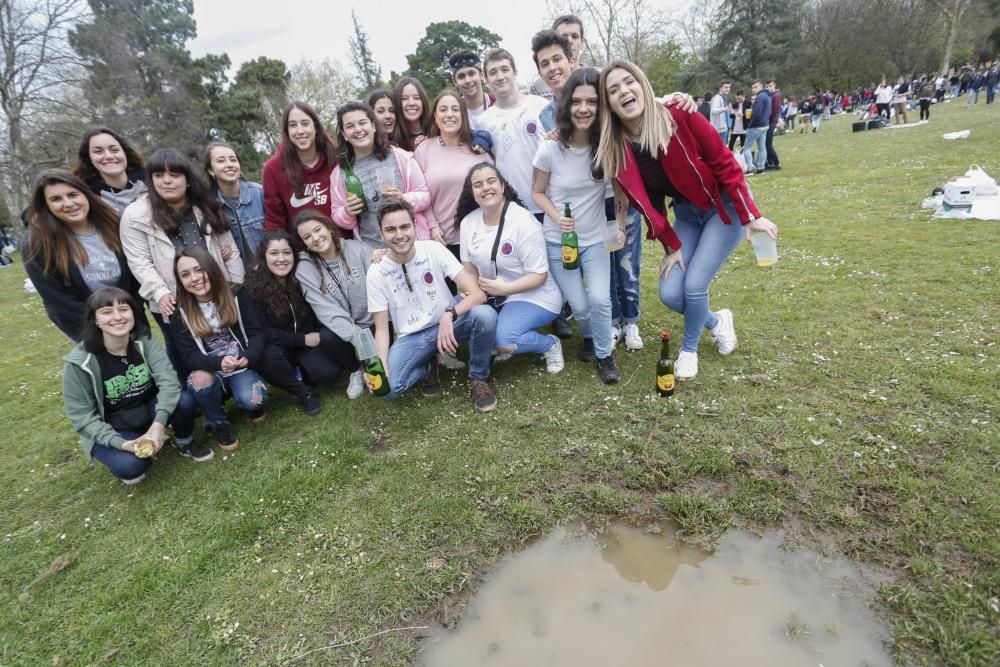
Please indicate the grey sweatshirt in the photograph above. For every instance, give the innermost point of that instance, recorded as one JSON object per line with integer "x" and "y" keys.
{"x": 341, "y": 309}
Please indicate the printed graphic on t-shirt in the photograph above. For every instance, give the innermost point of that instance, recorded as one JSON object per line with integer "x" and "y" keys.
{"x": 133, "y": 382}
{"x": 311, "y": 194}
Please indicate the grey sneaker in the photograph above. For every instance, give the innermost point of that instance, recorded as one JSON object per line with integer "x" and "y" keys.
{"x": 196, "y": 452}
{"x": 608, "y": 370}
{"x": 482, "y": 395}
{"x": 554, "y": 356}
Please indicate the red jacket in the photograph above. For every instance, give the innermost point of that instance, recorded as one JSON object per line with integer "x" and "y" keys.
{"x": 700, "y": 167}
{"x": 281, "y": 203}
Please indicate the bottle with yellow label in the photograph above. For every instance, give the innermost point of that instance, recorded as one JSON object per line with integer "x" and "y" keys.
{"x": 376, "y": 376}
{"x": 665, "y": 369}
{"x": 570, "y": 244}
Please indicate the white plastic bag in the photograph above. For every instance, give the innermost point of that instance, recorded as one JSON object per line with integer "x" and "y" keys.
{"x": 952, "y": 136}
{"x": 986, "y": 186}
{"x": 29, "y": 287}
{"x": 741, "y": 160}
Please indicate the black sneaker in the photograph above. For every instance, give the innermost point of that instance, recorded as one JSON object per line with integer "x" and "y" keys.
{"x": 608, "y": 370}
{"x": 227, "y": 439}
{"x": 310, "y": 403}
{"x": 431, "y": 385}
{"x": 561, "y": 328}
{"x": 194, "y": 451}
{"x": 586, "y": 352}
{"x": 482, "y": 395}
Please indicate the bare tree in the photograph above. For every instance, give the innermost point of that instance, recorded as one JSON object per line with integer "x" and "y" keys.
{"x": 369, "y": 71}
{"x": 952, "y": 12}
{"x": 630, "y": 29}
{"x": 324, "y": 85}
{"x": 37, "y": 67}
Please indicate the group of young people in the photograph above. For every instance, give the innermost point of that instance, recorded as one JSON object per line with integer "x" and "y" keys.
{"x": 428, "y": 224}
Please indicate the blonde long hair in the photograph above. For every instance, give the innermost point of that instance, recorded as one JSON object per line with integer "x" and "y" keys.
{"x": 655, "y": 124}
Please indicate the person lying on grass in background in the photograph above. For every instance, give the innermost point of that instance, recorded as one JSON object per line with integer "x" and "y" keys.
{"x": 120, "y": 390}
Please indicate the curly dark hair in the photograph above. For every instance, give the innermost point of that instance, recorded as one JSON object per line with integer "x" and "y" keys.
{"x": 467, "y": 201}
{"x": 585, "y": 76}
{"x": 273, "y": 296}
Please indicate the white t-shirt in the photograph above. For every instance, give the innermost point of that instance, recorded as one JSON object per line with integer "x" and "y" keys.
{"x": 417, "y": 299}
{"x": 516, "y": 134}
{"x": 521, "y": 251}
{"x": 570, "y": 180}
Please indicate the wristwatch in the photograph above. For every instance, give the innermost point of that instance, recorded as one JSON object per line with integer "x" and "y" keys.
{"x": 454, "y": 313}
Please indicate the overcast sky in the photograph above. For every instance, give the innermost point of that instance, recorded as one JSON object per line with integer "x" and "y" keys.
{"x": 314, "y": 29}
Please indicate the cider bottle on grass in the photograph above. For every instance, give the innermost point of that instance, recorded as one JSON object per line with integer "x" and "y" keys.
{"x": 376, "y": 375}
{"x": 570, "y": 244}
{"x": 665, "y": 368}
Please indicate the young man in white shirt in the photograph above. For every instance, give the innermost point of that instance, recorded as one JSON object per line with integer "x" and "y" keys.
{"x": 408, "y": 287}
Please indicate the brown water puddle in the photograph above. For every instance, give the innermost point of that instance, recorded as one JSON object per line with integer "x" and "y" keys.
{"x": 623, "y": 596}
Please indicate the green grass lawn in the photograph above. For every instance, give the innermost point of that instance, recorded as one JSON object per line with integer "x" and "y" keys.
{"x": 859, "y": 414}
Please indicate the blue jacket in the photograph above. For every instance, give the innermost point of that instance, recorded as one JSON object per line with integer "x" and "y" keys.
{"x": 247, "y": 220}
{"x": 761, "y": 114}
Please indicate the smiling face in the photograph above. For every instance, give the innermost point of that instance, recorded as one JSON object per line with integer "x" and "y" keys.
{"x": 410, "y": 103}
{"x": 385, "y": 113}
{"x": 357, "y": 129}
{"x": 554, "y": 67}
{"x": 301, "y": 130}
{"x": 501, "y": 76}
{"x": 583, "y": 107}
{"x": 279, "y": 258}
{"x": 398, "y": 232}
{"x": 315, "y": 236}
{"x": 448, "y": 115}
{"x": 107, "y": 156}
{"x": 116, "y": 320}
{"x": 194, "y": 278}
{"x": 224, "y": 165}
{"x": 469, "y": 81}
{"x": 487, "y": 188}
{"x": 68, "y": 204}
{"x": 625, "y": 96}
{"x": 171, "y": 186}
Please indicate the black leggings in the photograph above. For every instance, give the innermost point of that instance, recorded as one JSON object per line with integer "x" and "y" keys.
{"x": 925, "y": 109}
{"x": 734, "y": 137}
{"x": 322, "y": 364}
{"x": 883, "y": 110}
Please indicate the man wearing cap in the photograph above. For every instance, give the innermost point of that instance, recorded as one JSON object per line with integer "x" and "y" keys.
{"x": 467, "y": 74}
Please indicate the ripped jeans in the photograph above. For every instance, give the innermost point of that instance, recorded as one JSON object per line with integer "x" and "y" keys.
{"x": 247, "y": 388}
{"x": 625, "y": 265}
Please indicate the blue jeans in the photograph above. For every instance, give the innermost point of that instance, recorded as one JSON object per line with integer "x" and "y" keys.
{"x": 126, "y": 465}
{"x": 706, "y": 242}
{"x": 954, "y": 90}
{"x": 591, "y": 304}
{"x": 973, "y": 97}
{"x": 756, "y": 136}
{"x": 725, "y": 136}
{"x": 410, "y": 355}
{"x": 625, "y": 265}
{"x": 247, "y": 388}
{"x": 517, "y": 322}
{"x": 818, "y": 118}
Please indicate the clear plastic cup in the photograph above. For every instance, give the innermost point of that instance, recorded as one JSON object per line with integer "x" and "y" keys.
{"x": 364, "y": 344}
{"x": 609, "y": 234}
{"x": 764, "y": 248}
{"x": 386, "y": 177}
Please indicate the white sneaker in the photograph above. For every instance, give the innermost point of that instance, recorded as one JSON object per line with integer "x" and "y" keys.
{"x": 633, "y": 340}
{"x": 356, "y": 385}
{"x": 134, "y": 480}
{"x": 499, "y": 356}
{"x": 686, "y": 366}
{"x": 616, "y": 335}
{"x": 450, "y": 362}
{"x": 724, "y": 332}
{"x": 554, "y": 357}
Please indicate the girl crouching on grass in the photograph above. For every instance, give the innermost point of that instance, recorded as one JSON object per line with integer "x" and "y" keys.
{"x": 121, "y": 391}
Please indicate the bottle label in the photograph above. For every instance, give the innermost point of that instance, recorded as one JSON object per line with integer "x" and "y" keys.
{"x": 665, "y": 382}
{"x": 375, "y": 379}
{"x": 569, "y": 254}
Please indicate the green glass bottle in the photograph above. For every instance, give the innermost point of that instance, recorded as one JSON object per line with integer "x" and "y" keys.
{"x": 376, "y": 376}
{"x": 570, "y": 244}
{"x": 352, "y": 183}
{"x": 665, "y": 380}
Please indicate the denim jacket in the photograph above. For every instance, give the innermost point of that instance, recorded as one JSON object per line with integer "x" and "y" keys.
{"x": 247, "y": 220}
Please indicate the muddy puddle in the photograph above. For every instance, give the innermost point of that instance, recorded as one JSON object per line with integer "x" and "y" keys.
{"x": 631, "y": 597}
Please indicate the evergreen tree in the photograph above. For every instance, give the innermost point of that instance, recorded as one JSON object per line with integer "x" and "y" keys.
{"x": 756, "y": 38}
{"x": 369, "y": 71}
{"x": 430, "y": 60}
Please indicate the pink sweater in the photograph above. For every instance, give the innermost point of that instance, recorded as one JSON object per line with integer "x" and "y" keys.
{"x": 414, "y": 191}
{"x": 445, "y": 170}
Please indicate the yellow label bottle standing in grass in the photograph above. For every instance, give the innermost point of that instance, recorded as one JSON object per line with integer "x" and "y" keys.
{"x": 570, "y": 244}
{"x": 665, "y": 369}
{"x": 376, "y": 376}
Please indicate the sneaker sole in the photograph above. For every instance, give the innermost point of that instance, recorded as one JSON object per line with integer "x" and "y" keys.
{"x": 198, "y": 459}
{"x": 228, "y": 448}
{"x": 259, "y": 420}
{"x": 487, "y": 408}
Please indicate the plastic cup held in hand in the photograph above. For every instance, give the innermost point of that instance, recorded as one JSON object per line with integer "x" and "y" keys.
{"x": 386, "y": 178}
{"x": 609, "y": 234}
{"x": 364, "y": 344}
{"x": 765, "y": 248}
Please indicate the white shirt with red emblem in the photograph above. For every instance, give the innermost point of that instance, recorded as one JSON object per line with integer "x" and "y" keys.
{"x": 521, "y": 251}
{"x": 417, "y": 298}
{"x": 516, "y": 135}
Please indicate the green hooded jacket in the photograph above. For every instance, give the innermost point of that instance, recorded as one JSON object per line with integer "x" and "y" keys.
{"x": 83, "y": 392}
